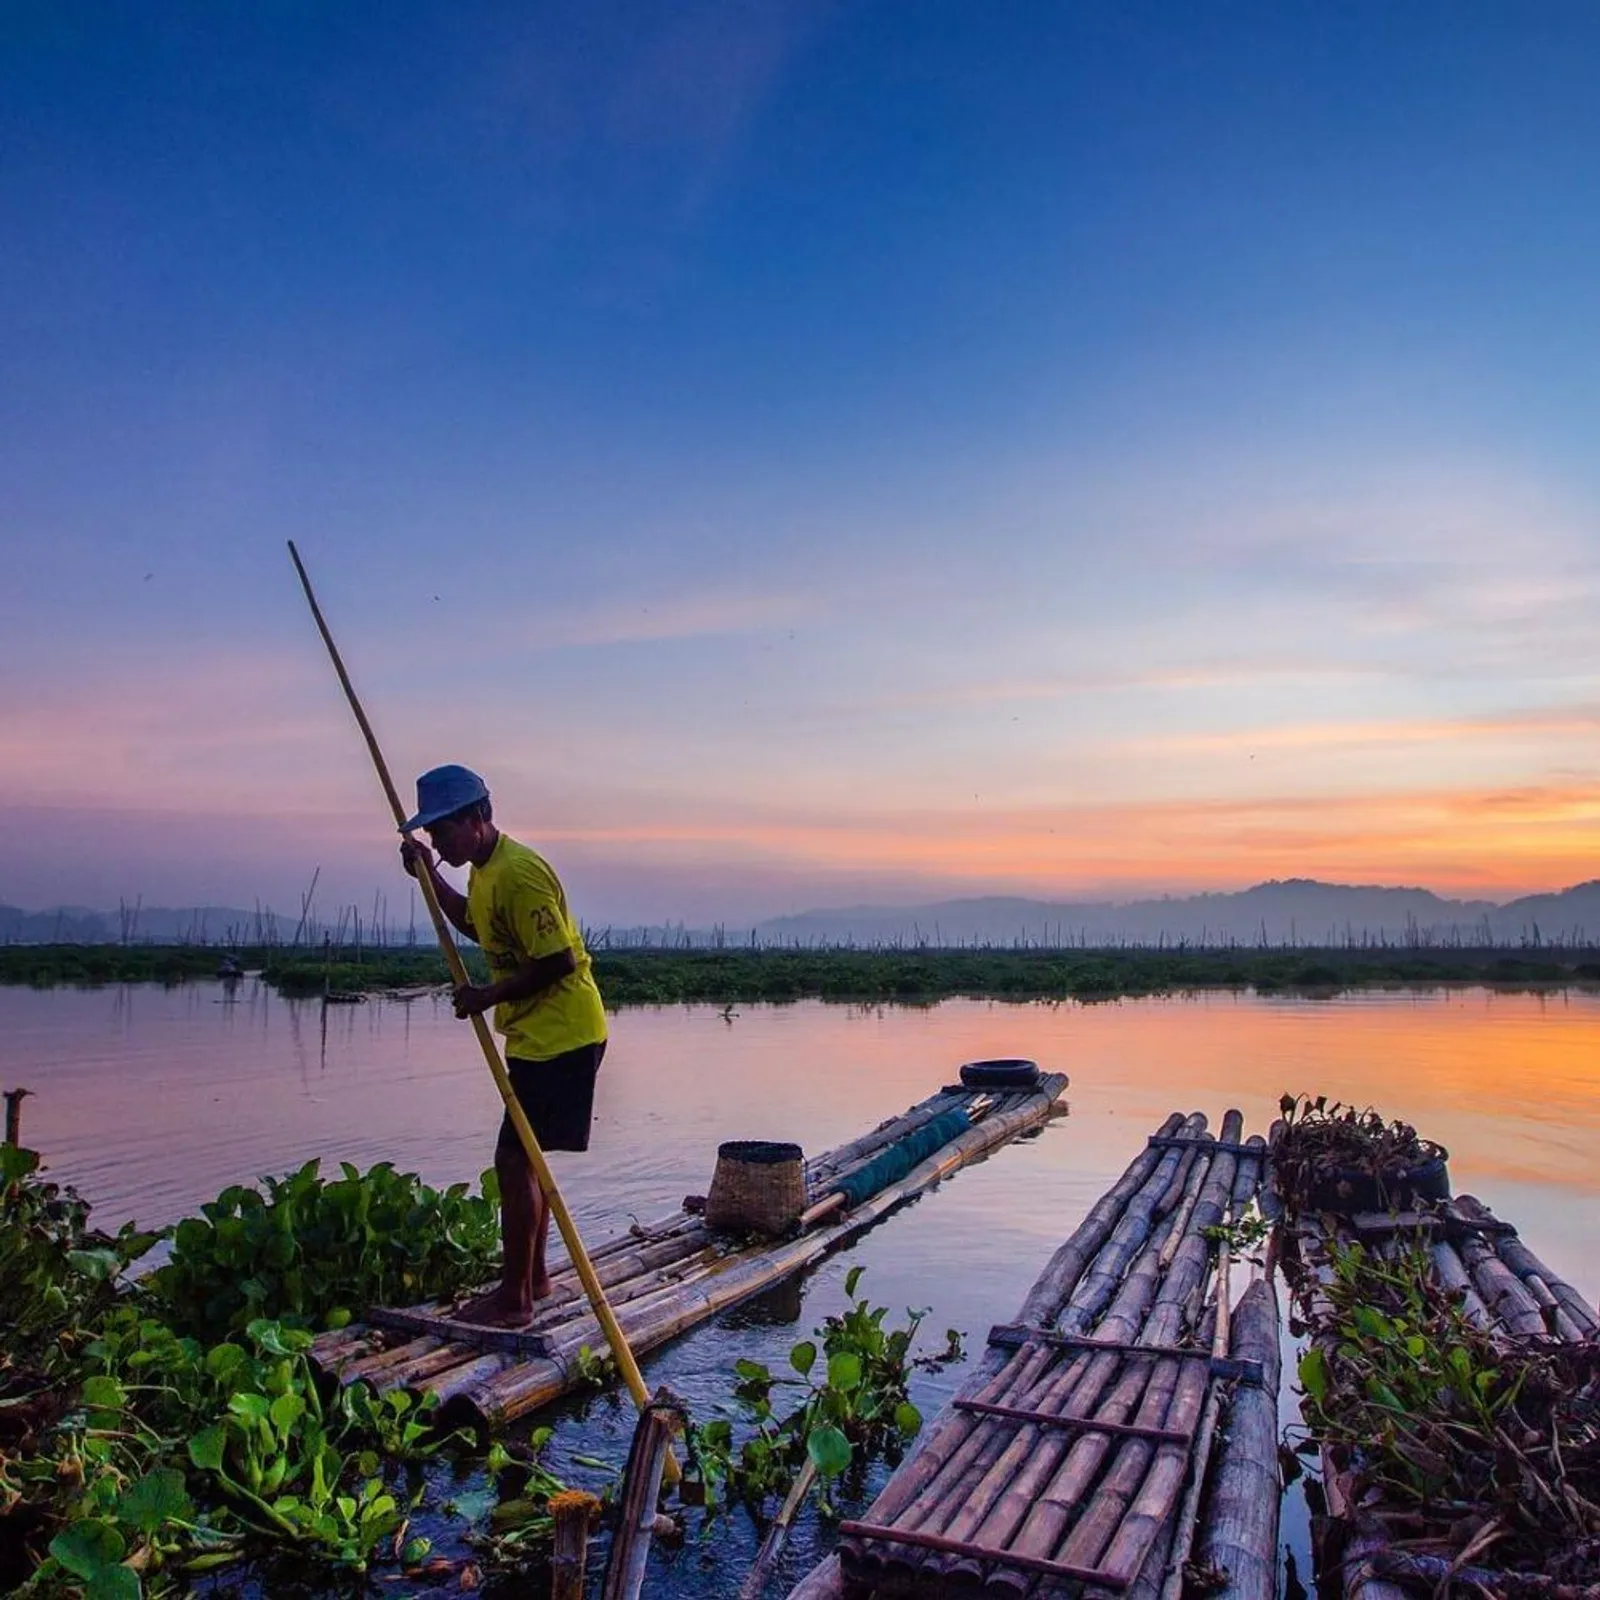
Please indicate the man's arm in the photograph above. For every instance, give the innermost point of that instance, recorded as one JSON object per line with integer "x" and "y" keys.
{"x": 418, "y": 858}
{"x": 533, "y": 977}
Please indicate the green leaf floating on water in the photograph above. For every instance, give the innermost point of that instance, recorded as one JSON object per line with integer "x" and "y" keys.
{"x": 277, "y": 1340}
{"x": 156, "y": 1498}
{"x": 829, "y": 1450}
{"x": 114, "y": 1583}
{"x": 96, "y": 1264}
{"x": 103, "y": 1393}
{"x": 472, "y": 1504}
{"x": 844, "y": 1370}
{"x": 1314, "y": 1375}
{"x": 223, "y": 1360}
{"x": 207, "y": 1449}
{"x": 287, "y": 1409}
{"x": 84, "y": 1547}
{"x": 252, "y": 1407}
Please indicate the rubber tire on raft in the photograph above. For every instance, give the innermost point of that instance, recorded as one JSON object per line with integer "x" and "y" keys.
{"x": 1009, "y": 1073}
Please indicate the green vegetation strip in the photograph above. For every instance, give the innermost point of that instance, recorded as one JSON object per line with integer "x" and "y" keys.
{"x": 912, "y": 977}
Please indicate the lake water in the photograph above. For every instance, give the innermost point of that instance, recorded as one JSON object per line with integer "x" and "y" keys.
{"x": 151, "y": 1100}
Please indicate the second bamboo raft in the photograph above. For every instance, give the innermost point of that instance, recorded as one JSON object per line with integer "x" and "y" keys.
{"x": 1070, "y": 1462}
{"x": 1505, "y": 1289}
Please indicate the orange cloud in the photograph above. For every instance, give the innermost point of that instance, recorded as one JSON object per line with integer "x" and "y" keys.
{"x": 1489, "y": 842}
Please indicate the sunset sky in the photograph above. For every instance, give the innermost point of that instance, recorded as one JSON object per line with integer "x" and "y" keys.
{"x": 802, "y": 453}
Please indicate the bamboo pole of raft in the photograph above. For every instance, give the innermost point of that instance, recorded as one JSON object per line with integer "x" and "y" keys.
{"x": 1532, "y": 1271}
{"x": 626, "y": 1364}
{"x": 1240, "y": 1536}
{"x": 1505, "y": 1294}
{"x": 1448, "y": 1268}
{"x": 825, "y": 1581}
{"x": 1183, "y": 1535}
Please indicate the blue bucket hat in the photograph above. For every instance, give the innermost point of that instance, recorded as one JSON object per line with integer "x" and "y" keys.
{"x": 443, "y": 790}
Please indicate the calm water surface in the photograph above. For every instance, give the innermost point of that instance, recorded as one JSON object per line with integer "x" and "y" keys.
{"x": 151, "y": 1100}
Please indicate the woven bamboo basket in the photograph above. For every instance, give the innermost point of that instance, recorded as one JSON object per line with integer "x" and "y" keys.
{"x": 759, "y": 1187}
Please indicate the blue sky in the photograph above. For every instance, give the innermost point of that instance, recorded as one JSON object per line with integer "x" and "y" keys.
{"x": 803, "y": 453}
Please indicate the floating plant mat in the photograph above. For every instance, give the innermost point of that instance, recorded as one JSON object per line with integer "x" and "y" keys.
{"x": 1340, "y": 1158}
{"x": 1452, "y": 1386}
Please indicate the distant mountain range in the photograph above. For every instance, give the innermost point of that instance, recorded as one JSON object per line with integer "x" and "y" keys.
{"x": 1294, "y": 911}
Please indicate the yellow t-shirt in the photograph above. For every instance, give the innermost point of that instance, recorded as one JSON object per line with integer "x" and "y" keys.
{"x": 519, "y": 912}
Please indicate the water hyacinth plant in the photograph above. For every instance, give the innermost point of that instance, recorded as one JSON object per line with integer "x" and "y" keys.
{"x": 852, "y": 1404}
{"x": 1488, "y": 1446}
{"x": 309, "y": 1248}
{"x": 144, "y": 1441}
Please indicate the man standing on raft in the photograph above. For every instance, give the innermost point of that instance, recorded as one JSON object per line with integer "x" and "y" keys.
{"x": 545, "y": 1003}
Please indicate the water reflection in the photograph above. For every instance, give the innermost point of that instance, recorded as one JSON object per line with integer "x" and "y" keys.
{"x": 152, "y": 1099}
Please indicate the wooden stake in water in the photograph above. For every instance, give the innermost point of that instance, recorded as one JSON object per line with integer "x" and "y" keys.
{"x": 641, "y": 1489}
{"x": 14, "y": 1099}
{"x": 620, "y": 1350}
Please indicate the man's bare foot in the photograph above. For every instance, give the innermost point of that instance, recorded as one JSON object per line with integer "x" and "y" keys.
{"x": 495, "y": 1310}
{"x": 542, "y": 1287}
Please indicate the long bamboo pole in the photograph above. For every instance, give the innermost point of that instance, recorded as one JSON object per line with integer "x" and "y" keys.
{"x": 620, "y": 1350}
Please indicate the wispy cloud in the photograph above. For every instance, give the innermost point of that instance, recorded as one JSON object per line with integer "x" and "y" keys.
{"x": 660, "y": 619}
{"x": 1200, "y": 675}
{"x": 1534, "y": 722}
{"x": 179, "y": 734}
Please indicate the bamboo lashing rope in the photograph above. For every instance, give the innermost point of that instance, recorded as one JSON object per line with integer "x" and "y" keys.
{"x": 491, "y": 1051}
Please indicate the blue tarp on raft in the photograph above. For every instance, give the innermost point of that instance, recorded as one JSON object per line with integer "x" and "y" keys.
{"x": 895, "y": 1162}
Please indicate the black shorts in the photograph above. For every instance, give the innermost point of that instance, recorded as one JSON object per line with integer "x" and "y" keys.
{"x": 558, "y": 1097}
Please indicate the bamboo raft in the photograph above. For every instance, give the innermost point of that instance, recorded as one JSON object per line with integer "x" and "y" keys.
{"x": 661, "y": 1278}
{"x": 1071, "y": 1460}
{"x": 1504, "y": 1289}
